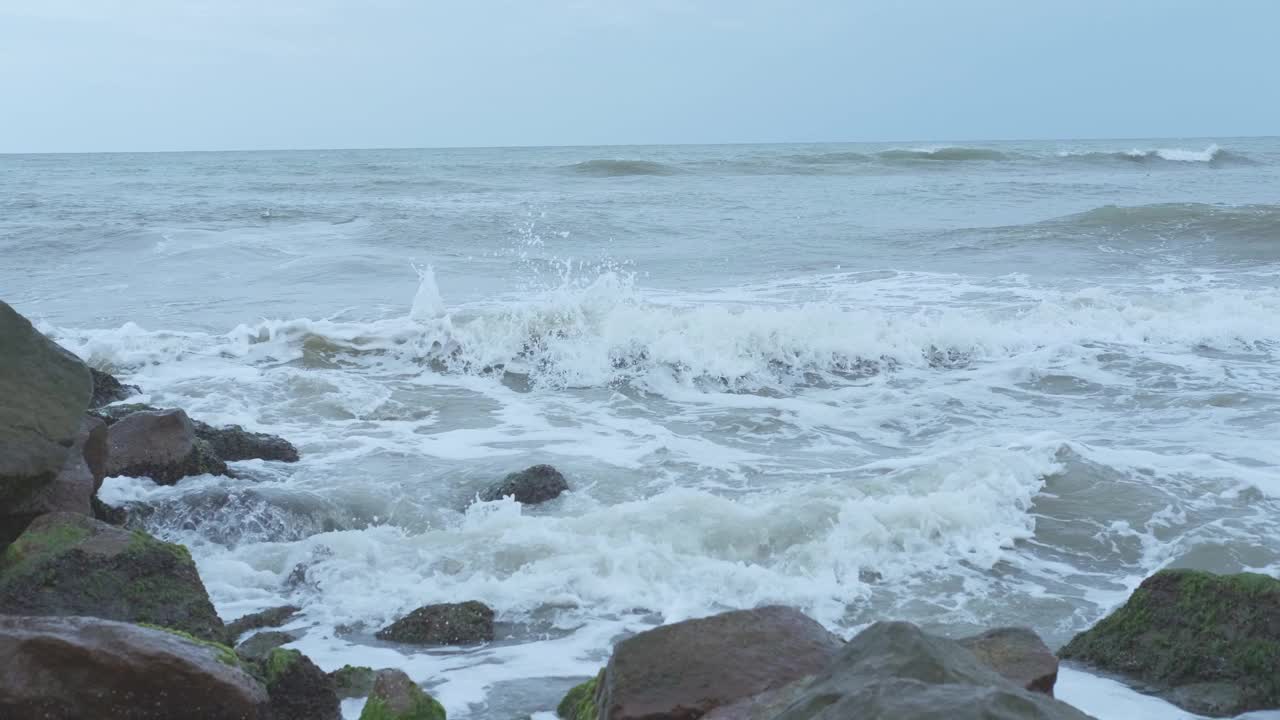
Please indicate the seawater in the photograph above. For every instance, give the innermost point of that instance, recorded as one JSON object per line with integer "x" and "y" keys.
{"x": 965, "y": 385}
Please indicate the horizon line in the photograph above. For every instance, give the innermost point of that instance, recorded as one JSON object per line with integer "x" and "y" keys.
{"x": 377, "y": 148}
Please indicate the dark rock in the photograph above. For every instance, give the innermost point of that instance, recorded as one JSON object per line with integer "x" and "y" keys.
{"x": 76, "y": 667}
{"x": 233, "y": 442}
{"x": 353, "y": 681}
{"x": 447, "y": 624}
{"x": 115, "y": 413}
{"x": 68, "y": 564}
{"x": 271, "y": 617}
{"x": 1019, "y": 655}
{"x": 767, "y": 704}
{"x": 537, "y": 484}
{"x": 45, "y": 391}
{"x": 397, "y": 697}
{"x": 258, "y": 647}
{"x": 71, "y": 490}
{"x": 1207, "y": 643}
{"x": 298, "y": 690}
{"x": 682, "y": 671}
{"x": 109, "y": 514}
{"x": 160, "y": 445}
{"x": 893, "y": 671}
{"x": 107, "y": 389}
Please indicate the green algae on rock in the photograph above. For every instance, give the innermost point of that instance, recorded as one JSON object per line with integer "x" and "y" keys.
{"x": 1207, "y": 643}
{"x": 396, "y": 697}
{"x": 580, "y": 702}
{"x": 353, "y": 681}
{"x": 69, "y": 564}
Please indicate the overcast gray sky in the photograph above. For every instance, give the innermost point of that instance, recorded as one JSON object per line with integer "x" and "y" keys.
{"x": 92, "y": 75}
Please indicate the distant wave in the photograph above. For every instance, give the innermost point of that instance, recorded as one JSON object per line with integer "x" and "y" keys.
{"x": 832, "y": 158}
{"x": 1212, "y": 155}
{"x": 1250, "y": 221}
{"x": 944, "y": 154}
{"x": 621, "y": 168}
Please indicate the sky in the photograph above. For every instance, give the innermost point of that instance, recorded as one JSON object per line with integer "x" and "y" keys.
{"x": 139, "y": 75}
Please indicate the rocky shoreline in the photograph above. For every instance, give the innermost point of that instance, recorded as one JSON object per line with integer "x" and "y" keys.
{"x": 100, "y": 620}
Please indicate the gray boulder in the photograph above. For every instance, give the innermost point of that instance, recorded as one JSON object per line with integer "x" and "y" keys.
{"x": 232, "y": 442}
{"x": 71, "y": 490}
{"x": 77, "y": 667}
{"x": 464, "y": 623}
{"x": 1019, "y": 655}
{"x": 894, "y": 671}
{"x": 161, "y": 445}
{"x": 531, "y": 486}
{"x": 45, "y": 391}
{"x": 70, "y": 564}
{"x": 682, "y": 671}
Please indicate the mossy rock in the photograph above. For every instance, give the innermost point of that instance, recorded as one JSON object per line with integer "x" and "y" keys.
{"x": 223, "y": 653}
{"x": 462, "y": 623}
{"x": 580, "y": 702}
{"x": 353, "y": 681}
{"x": 1208, "y": 643}
{"x": 298, "y": 690}
{"x": 396, "y": 697}
{"x": 70, "y": 564}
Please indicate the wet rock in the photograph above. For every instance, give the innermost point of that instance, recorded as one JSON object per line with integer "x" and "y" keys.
{"x": 69, "y": 564}
{"x": 45, "y": 391}
{"x": 72, "y": 489}
{"x": 230, "y": 442}
{"x": 446, "y": 624}
{"x": 531, "y": 486}
{"x": 258, "y": 647}
{"x": 353, "y": 681}
{"x": 233, "y": 442}
{"x": 893, "y": 670}
{"x": 160, "y": 445}
{"x": 683, "y": 670}
{"x": 115, "y": 413}
{"x": 107, "y": 389}
{"x": 77, "y": 667}
{"x": 397, "y": 697}
{"x": 271, "y": 617}
{"x": 298, "y": 690}
{"x": 1207, "y": 643}
{"x": 109, "y": 514}
{"x": 1019, "y": 655}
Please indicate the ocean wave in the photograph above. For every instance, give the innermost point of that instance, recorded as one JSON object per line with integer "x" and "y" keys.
{"x": 831, "y": 158}
{"x": 1212, "y": 155}
{"x": 621, "y": 168}
{"x": 1200, "y": 220}
{"x": 610, "y": 334}
{"x": 944, "y": 154}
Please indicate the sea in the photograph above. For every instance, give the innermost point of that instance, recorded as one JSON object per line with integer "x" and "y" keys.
{"x": 963, "y": 384}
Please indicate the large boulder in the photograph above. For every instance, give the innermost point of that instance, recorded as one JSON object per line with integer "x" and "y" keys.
{"x": 531, "y": 486}
{"x": 446, "y": 624}
{"x": 1019, "y": 655}
{"x": 107, "y": 389}
{"x": 683, "y": 670}
{"x": 44, "y": 390}
{"x": 298, "y": 690}
{"x": 397, "y": 697}
{"x": 229, "y": 442}
{"x": 893, "y": 671}
{"x": 70, "y": 564}
{"x": 1207, "y": 643}
{"x": 71, "y": 490}
{"x": 77, "y": 667}
{"x": 161, "y": 445}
